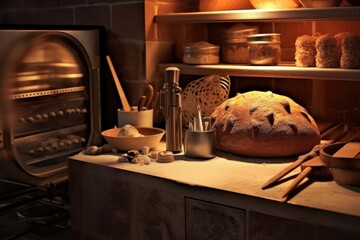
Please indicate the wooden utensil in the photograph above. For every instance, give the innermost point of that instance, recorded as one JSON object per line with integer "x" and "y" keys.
{"x": 141, "y": 103}
{"x": 333, "y": 134}
{"x": 289, "y": 168}
{"x": 120, "y": 90}
{"x": 154, "y": 100}
{"x": 149, "y": 93}
{"x": 314, "y": 169}
{"x": 319, "y": 170}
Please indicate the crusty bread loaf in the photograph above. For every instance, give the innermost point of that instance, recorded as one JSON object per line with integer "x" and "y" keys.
{"x": 264, "y": 124}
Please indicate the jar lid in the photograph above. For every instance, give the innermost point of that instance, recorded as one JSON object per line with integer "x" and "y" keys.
{"x": 264, "y": 38}
{"x": 202, "y": 47}
{"x": 239, "y": 32}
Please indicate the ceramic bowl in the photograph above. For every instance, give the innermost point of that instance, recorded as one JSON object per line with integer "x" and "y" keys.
{"x": 275, "y": 4}
{"x": 346, "y": 171}
{"x": 151, "y": 138}
{"x": 320, "y": 3}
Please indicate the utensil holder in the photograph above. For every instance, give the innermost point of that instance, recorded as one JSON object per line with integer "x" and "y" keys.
{"x": 200, "y": 144}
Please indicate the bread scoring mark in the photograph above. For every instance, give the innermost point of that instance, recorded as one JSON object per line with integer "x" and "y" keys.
{"x": 270, "y": 118}
{"x": 286, "y": 106}
{"x": 253, "y": 108}
{"x": 293, "y": 127}
{"x": 228, "y": 126}
{"x": 255, "y": 128}
{"x": 227, "y": 106}
{"x": 305, "y": 115}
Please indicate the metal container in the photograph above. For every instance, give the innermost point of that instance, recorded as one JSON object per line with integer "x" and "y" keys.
{"x": 201, "y": 53}
{"x": 264, "y": 49}
{"x": 200, "y": 144}
{"x": 235, "y": 47}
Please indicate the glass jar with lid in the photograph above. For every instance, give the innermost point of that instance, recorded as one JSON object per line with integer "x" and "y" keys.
{"x": 201, "y": 53}
{"x": 264, "y": 49}
{"x": 234, "y": 47}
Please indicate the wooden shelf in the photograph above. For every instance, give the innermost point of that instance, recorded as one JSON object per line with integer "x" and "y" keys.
{"x": 252, "y": 15}
{"x": 281, "y": 71}
{"x": 263, "y": 15}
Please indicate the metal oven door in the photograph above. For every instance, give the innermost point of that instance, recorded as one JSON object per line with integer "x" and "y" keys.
{"x": 50, "y": 101}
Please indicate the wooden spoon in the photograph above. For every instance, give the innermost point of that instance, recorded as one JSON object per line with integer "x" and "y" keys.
{"x": 120, "y": 90}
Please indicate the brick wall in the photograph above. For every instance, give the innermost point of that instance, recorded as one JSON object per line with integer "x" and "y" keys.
{"x": 136, "y": 44}
{"x": 132, "y": 39}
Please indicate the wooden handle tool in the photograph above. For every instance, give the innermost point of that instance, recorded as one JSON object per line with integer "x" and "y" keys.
{"x": 198, "y": 121}
{"x": 314, "y": 169}
{"x": 154, "y": 100}
{"x": 141, "y": 103}
{"x": 149, "y": 93}
{"x": 297, "y": 181}
{"x": 289, "y": 168}
{"x": 120, "y": 90}
{"x": 335, "y": 133}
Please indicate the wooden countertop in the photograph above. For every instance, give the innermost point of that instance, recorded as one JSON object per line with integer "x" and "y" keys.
{"x": 240, "y": 175}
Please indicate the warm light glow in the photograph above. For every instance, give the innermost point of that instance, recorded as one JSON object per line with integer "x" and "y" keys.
{"x": 274, "y": 4}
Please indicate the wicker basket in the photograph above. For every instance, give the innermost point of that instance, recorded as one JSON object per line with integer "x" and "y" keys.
{"x": 208, "y": 92}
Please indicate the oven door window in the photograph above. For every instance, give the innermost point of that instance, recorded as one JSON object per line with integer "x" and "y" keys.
{"x": 49, "y": 99}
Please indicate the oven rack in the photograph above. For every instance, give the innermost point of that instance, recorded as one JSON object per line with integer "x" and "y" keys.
{"x": 47, "y": 92}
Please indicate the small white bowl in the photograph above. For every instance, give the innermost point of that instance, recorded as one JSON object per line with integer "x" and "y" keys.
{"x": 151, "y": 138}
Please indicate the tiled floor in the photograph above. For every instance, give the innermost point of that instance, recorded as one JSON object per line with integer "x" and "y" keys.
{"x": 34, "y": 213}
{"x": 47, "y": 233}
{"x": 16, "y": 228}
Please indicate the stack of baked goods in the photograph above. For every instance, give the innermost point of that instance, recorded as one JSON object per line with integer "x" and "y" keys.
{"x": 349, "y": 45}
{"x": 305, "y": 51}
{"x": 264, "y": 124}
{"x": 328, "y": 51}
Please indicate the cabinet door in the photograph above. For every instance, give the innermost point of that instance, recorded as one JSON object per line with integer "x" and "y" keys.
{"x": 267, "y": 227}
{"x": 159, "y": 214}
{"x": 206, "y": 221}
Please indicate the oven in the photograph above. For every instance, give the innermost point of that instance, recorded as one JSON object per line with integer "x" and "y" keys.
{"x": 50, "y": 100}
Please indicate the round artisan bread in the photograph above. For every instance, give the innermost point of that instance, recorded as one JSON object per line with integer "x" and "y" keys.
{"x": 264, "y": 124}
